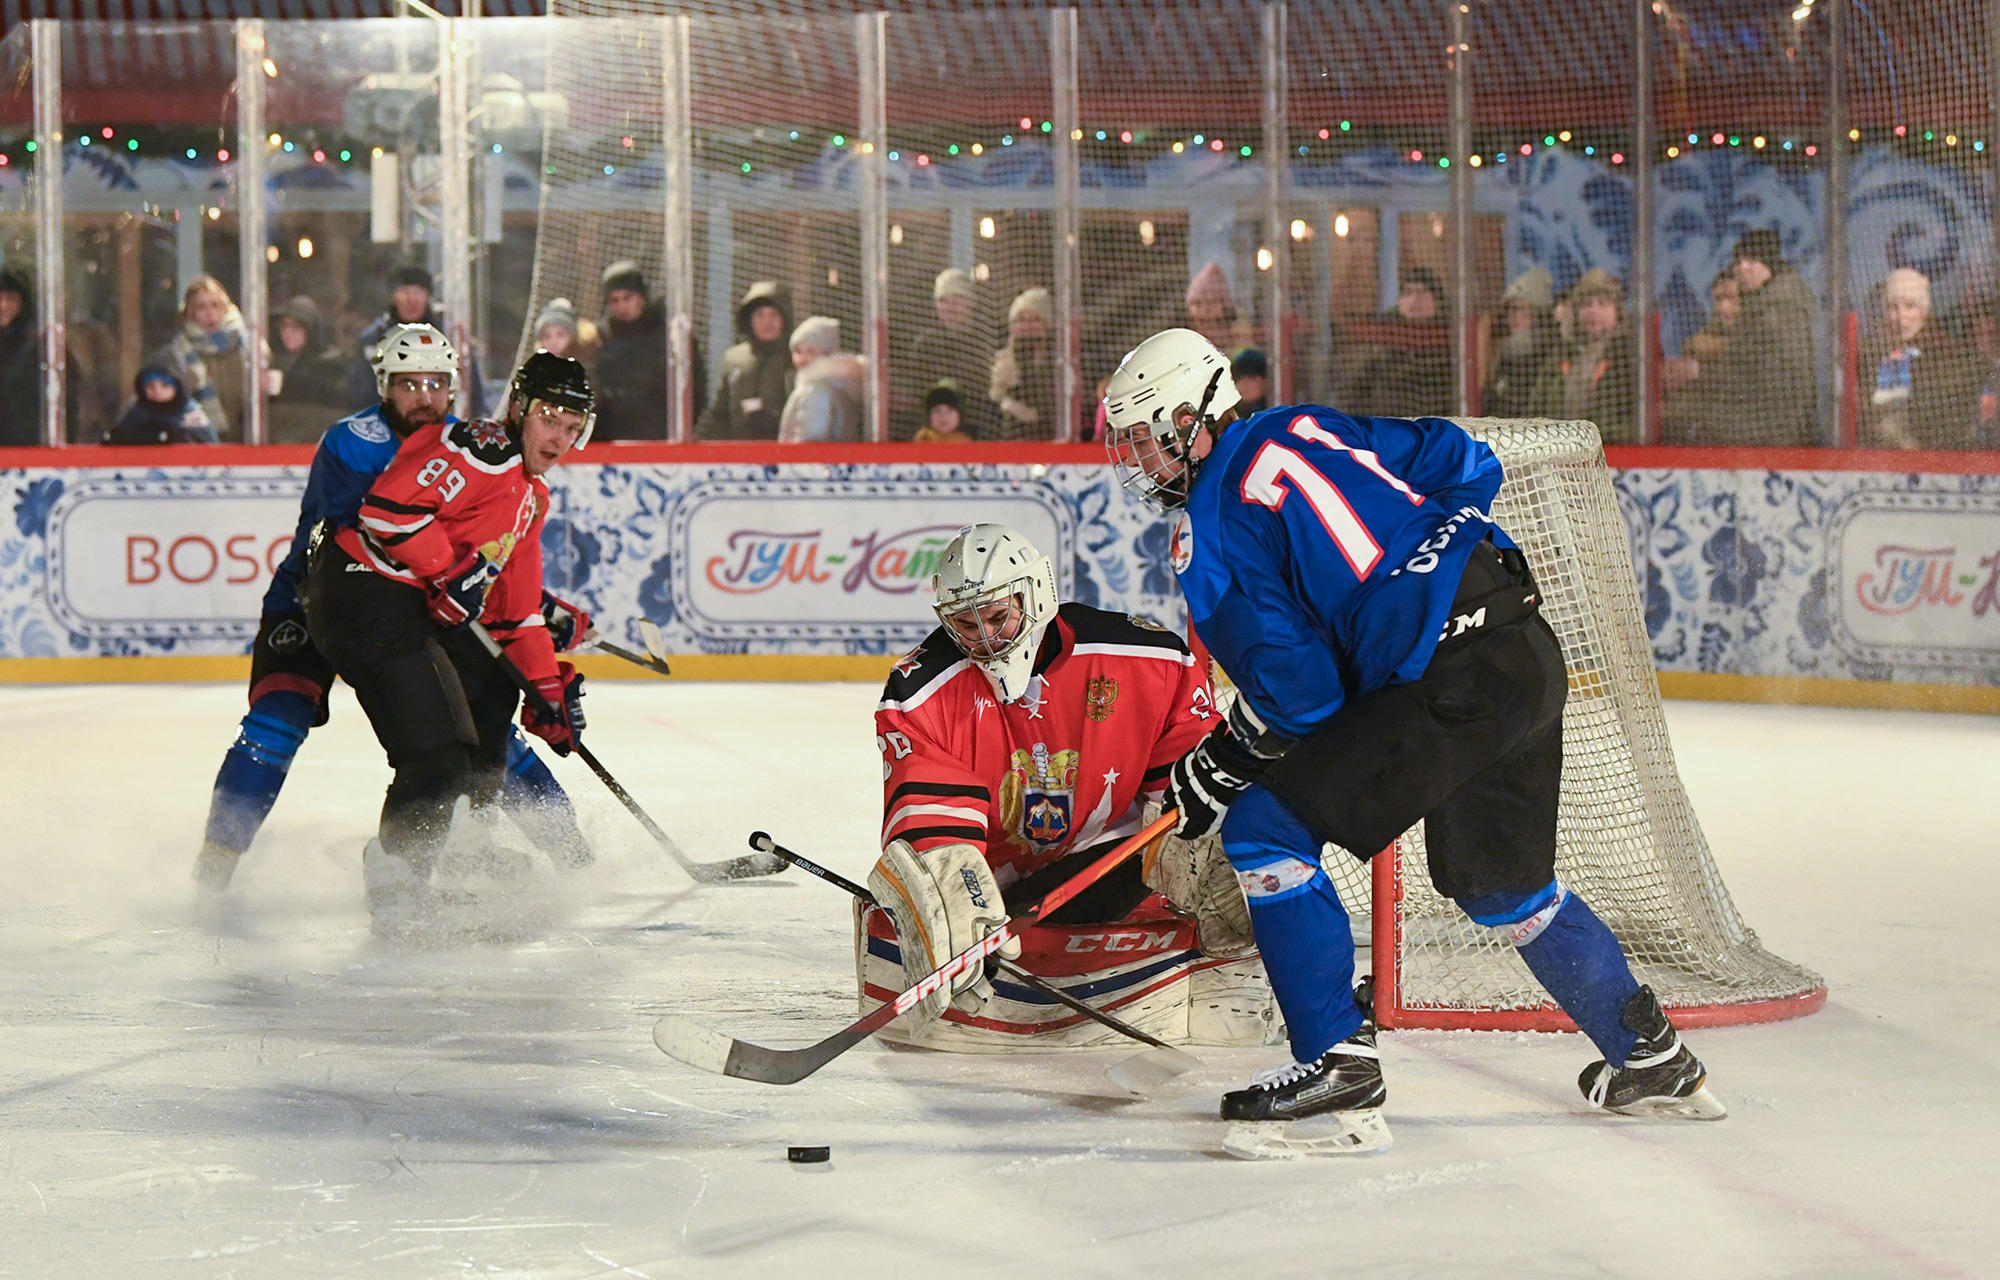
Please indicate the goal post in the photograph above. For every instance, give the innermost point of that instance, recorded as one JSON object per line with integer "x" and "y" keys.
{"x": 1627, "y": 836}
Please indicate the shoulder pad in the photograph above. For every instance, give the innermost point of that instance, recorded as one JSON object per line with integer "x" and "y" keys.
{"x": 1096, "y": 626}
{"x": 486, "y": 443}
{"x": 921, "y": 667}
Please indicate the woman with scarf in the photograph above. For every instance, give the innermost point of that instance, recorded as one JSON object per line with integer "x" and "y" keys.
{"x": 209, "y": 355}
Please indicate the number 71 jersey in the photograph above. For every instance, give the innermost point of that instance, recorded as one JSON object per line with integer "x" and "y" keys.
{"x": 1071, "y": 763}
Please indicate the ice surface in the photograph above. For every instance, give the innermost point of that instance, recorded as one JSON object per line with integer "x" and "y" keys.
{"x": 264, "y": 1090}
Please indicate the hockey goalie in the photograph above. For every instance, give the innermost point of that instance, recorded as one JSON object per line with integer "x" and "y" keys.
{"x": 1020, "y": 741}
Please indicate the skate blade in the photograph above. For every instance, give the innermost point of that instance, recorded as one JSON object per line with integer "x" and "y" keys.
{"x": 1144, "y": 1072}
{"x": 1336, "y": 1133}
{"x": 1699, "y": 1105}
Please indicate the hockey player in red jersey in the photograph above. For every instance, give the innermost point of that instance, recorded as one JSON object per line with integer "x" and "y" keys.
{"x": 1019, "y": 741}
{"x": 451, "y": 532}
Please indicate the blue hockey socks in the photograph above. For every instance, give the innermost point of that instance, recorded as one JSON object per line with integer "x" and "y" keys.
{"x": 1301, "y": 927}
{"x": 254, "y": 771}
{"x": 1573, "y": 954}
{"x": 537, "y": 802}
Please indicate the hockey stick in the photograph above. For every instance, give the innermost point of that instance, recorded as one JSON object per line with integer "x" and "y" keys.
{"x": 699, "y": 872}
{"x": 690, "y": 1042}
{"x": 1145, "y": 1069}
{"x": 619, "y": 651}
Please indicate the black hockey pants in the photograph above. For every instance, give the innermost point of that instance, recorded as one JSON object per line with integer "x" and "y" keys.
{"x": 441, "y": 707}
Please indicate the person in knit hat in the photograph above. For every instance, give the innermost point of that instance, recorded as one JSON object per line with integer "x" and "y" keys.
{"x": 1404, "y": 354}
{"x": 20, "y": 363}
{"x": 829, "y": 396}
{"x": 944, "y": 416}
{"x": 411, "y": 301}
{"x": 1592, "y": 379}
{"x": 1211, "y": 309}
{"x": 1926, "y": 388}
{"x": 161, "y": 413}
{"x": 958, "y": 349}
{"x": 311, "y": 375}
{"x": 1776, "y": 345}
{"x": 559, "y": 330}
{"x": 1023, "y": 383}
{"x": 1524, "y": 337}
{"x": 632, "y": 373}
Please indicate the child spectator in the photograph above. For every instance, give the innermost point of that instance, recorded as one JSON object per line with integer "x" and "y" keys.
{"x": 163, "y": 413}
{"x": 944, "y": 416}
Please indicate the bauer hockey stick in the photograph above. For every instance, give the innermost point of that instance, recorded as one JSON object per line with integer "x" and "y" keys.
{"x": 690, "y": 1042}
{"x": 1137, "y": 1073}
{"x": 699, "y": 872}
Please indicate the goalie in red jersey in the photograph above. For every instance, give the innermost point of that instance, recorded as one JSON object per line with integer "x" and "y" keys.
{"x": 451, "y": 532}
{"x": 1020, "y": 741}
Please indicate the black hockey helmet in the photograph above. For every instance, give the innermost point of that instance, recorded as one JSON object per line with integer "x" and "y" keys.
{"x": 561, "y": 381}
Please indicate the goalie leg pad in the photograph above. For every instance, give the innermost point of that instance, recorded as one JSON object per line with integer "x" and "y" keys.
{"x": 942, "y": 901}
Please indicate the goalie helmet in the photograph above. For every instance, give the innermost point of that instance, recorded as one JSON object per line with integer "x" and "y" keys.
{"x": 996, "y": 595}
{"x": 414, "y": 348}
{"x": 1164, "y": 391}
{"x": 561, "y": 381}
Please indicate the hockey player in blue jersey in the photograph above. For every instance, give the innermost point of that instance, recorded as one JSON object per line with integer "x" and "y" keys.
{"x": 416, "y": 373}
{"x": 1391, "y": 664}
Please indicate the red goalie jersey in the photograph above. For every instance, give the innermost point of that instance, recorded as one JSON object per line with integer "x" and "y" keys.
{"x": 452, "y": 489}
{"x": 1114, "y": 703}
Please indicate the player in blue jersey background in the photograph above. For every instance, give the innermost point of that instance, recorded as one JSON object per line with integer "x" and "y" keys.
{"x": 416, "y": 373}
{"x": 1392, "y": 666}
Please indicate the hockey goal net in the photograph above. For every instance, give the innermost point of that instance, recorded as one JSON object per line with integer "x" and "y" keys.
{"x": 1627, "y": 837}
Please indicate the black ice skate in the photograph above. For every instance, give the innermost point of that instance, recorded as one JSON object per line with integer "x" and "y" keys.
{"x": 1329, "y": 1106}
{"x": 1660, "y": 1079}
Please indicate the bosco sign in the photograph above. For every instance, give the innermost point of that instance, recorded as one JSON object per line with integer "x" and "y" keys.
{"x": 1918, "y": 578}
{"x": 158, "y": 558}
{"x": 835, "y": 559}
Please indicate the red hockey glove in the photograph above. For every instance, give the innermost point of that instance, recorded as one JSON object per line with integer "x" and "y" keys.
{"x": 563, "y": 692}
{"x": 459, "y": 594}
{"x": 567, "y": 623}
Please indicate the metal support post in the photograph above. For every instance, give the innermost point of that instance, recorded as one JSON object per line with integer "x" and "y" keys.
{"x": 1068, "y": 289}
{"x": 45, "y": 47}
{"x": 1645, "y": 413}
{"x": 871, "y": 49}
{"x": 1838, "y": 430}
{"x": 1464, "y": 307}
{"x": 253, "y": 225}
{"x": 677, "y": 264}
{"x": 1277, "y": 205}
{"x": 455, "y": 198}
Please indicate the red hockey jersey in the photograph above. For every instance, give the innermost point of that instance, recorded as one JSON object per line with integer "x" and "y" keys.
{"x": 1068, "y": 765}
{"x": 453, "y": 488}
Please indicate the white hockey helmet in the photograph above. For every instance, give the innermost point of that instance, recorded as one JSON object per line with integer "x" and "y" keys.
{"x": 996, "y": 595}
{"x": 414, "y": 348}
{"x": 1164, "y": 391}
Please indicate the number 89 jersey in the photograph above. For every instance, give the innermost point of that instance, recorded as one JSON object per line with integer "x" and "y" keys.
{"x": 1319, "y": 553}
{"x": 1113, "y": 703}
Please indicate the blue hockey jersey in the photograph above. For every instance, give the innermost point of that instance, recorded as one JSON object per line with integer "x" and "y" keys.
{"x": 1319, "y": 553}
{"x": 352, "y": 453}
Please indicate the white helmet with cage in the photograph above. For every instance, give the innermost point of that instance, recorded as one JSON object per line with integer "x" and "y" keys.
{"x": 996, "y": 595}
{"x": 414, "y": 348}
{"x": 1165, "y": 390}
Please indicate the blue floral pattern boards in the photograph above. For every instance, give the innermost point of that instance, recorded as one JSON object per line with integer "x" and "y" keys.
{"x": 1837, "y": 574}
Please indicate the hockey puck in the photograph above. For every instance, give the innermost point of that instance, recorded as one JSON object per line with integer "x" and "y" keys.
{"x": 808, "y": 1155}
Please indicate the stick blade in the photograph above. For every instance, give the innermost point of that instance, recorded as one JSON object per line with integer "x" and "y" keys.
{"x": 747, "y": 867}
{"x": 688, "y": 1041}
{"x": 1144, "y": 1072}
{"x": 654, "y": 640}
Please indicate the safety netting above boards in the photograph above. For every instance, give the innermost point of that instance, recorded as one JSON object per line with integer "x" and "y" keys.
{"x": 1847, "y": 574}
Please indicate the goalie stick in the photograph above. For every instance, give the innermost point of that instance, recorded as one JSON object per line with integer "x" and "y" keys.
{"x": 688, "y": 1041}
{"x": 1137, "y": 1073}
{"x": 699, "y": 872}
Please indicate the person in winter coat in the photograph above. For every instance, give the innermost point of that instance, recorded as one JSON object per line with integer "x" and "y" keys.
{"x": 162, "y": 413}
{"x": 1592, "y": 378}
{"x": 1250, "y": 370}
{"x": 944, "y": 416}
{"x": 631, "y": 373}
{"x": 959, "y": 350}
{"x": 757, "y": 372}
{"x": 409, "y": 303}
{"x": 1524, "y": 337}
{"x": 1023, "y": 384}
{"x": 1700, "y": 400}
{"x": 1774, "y": 351}
{"x": 311, "y": 378}
{"x": 560, "y": 331}
{"x": 20, "y": 364}
{"x": 1405, "y": 368}
{"x": 209, "y": 356}
{"x": 1926, "y": 391}
{"x": 830, "y": 393}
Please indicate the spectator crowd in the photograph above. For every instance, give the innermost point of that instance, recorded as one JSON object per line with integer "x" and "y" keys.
{"x": 1753, "y": 374}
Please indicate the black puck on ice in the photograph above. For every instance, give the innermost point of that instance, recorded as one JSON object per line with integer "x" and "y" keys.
{"x": 808, "y": 1155}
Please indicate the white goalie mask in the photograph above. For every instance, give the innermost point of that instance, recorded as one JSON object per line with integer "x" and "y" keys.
{"x": 1163, "y": 392}
{"x": 996, "y": 595}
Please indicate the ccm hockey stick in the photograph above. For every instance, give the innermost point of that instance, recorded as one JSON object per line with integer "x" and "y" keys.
{"x": 690, "y": 1042}
{"x": 1137, "y": 1074}
{"x": 699, "y": 872}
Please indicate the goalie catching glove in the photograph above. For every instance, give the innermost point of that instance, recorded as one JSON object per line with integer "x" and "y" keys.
{"x": 1197, "y": 879}
{"x": 942, "y": 901}
{"x": 1225, "y": 764}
